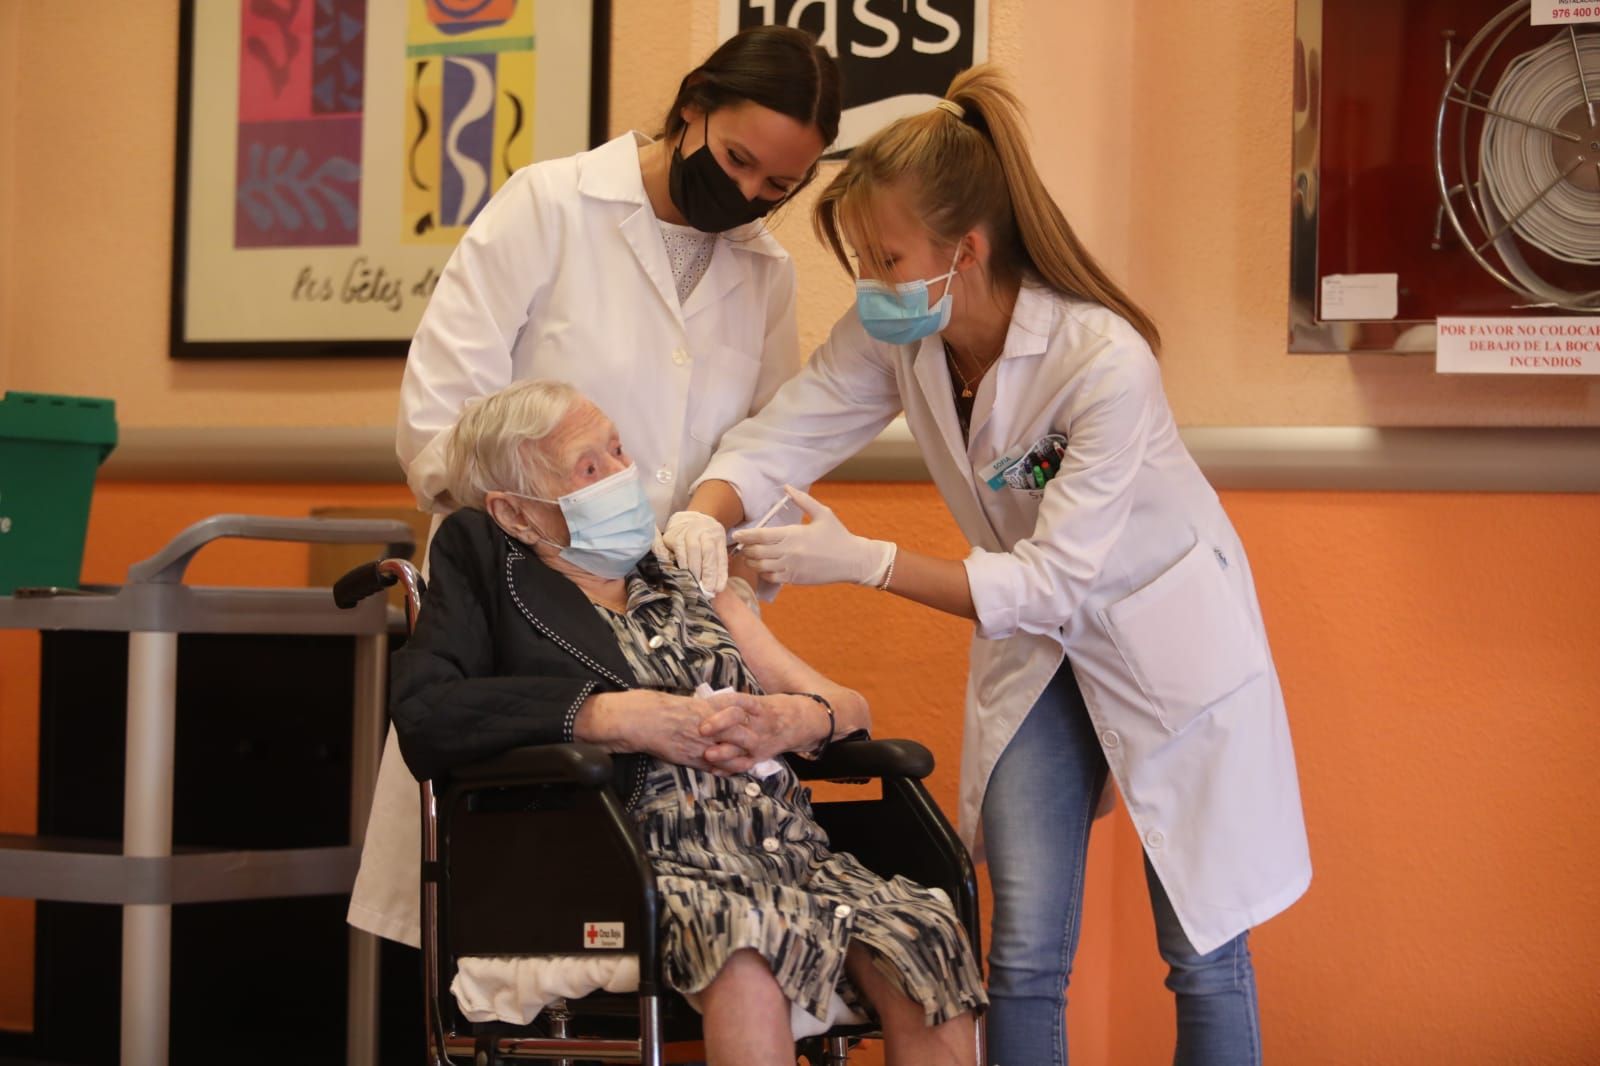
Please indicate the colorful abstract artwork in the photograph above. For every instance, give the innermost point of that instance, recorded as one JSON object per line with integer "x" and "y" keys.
{"x": 301, "y": 86}
{"x": 469, "y": 100}
{"x": 332, "y": 152}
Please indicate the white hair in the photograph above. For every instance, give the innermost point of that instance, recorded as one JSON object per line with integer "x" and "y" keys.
{"x": 495, "y": 445}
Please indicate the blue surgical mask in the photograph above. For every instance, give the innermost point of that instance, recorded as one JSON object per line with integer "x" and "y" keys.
{"x": 899, "y": 314}
{"x": 610, "y": 524}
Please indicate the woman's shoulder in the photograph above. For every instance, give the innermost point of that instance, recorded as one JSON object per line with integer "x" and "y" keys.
{"x": 470, "y": 538}
{"x": 1074, "y": 320}
{"x": 1083, "y": 330}
{"x": 601, "y": 170}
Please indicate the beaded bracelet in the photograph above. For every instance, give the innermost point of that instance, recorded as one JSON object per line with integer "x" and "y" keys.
{"x": 888, "y": 574}
{"x": 827, "y": 738}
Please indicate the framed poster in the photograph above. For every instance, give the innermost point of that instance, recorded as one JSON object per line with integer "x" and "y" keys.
{"x": 896, "y": 57}
{"x": 331, "y": 153}
{"x": 1445, "y": 159}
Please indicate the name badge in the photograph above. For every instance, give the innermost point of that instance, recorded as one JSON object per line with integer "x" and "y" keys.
{"x": 994, "y": 473}
{"x": 1029, "y": 469}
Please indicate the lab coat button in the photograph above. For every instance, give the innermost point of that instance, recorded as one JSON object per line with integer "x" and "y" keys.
{"x": 1110, "y": 739}
{"x": 752, "y": 789}
{"x": 770, "y": 844}
{"x": 679, "y": 356}
{"x": 664, "y": 476}
{"x": 1154, "y": 838}
{"x": 842, "y": 911}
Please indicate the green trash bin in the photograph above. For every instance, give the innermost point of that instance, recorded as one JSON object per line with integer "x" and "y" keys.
{"x": 50, "y": 448}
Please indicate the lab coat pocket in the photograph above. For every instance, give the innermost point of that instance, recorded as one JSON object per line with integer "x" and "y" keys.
{"x": 1186, "y": 639}
{"x": 721, "y": 391}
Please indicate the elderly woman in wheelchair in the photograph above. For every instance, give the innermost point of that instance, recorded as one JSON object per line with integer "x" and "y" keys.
{"x": 548, "y": 619}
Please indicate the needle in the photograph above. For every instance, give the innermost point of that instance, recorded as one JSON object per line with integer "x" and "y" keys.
{"x": 783, "y": 502}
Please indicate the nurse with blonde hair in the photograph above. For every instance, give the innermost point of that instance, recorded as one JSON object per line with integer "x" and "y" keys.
{"x": 1117, "y": 629}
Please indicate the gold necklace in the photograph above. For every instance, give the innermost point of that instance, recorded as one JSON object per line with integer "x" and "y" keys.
{"x": 966, "y": 385}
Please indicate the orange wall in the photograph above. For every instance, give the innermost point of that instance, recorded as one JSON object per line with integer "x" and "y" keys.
{"x": 1162, "y": 127}
{"x": 1439, "y": 656}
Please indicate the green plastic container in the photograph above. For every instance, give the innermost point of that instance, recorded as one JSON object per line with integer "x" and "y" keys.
{"x": 50, "y": 449}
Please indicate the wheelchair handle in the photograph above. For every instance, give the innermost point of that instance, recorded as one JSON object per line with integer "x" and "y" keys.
{"x": 369, "y": 579}
{"x": 365, "y": 580}
{"x": 585, "y": 765}
{"x": 856, "y": 759}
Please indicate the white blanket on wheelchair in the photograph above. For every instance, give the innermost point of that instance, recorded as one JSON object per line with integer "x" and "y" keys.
{"x": 515, "y": 988}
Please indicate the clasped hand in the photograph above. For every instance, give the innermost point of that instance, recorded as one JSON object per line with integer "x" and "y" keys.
{"x": 726, "y": 733}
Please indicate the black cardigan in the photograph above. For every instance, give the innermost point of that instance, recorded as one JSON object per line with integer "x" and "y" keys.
{"x": 505, "y": 652}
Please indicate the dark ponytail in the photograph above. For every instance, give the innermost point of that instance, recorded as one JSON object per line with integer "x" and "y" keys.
{"x": 782, "y": 69}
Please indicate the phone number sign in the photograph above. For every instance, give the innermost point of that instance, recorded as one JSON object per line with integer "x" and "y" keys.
{"x": 1565, "y": 12}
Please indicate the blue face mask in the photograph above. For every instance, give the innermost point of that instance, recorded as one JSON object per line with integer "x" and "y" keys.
{"x": 899, "y": 314}
{"x": 610, "y": 524}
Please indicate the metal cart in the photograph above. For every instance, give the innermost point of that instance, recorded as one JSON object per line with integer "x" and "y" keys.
{"x": 154, "y": 607}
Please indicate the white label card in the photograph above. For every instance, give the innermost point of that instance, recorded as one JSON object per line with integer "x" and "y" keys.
{"x": 1565, "y": 12}
{"x": 1519, "y": 345}
{"x": 1360, "y": 296}
{"x": 602, "y": 934}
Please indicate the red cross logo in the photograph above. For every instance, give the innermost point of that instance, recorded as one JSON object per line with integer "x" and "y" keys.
{"x": 591, "y": 933}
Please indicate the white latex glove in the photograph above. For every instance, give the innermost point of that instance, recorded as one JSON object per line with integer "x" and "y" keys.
{"x": 820, "y": 552}
{"x": 697, "y": 543}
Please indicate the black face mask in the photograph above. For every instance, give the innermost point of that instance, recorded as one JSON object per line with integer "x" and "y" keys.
{"x": 705, "y": 195}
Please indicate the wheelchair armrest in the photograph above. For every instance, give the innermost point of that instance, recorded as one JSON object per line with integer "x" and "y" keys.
{"x": 585, "y": 765}
{"x": 867, "y": 758}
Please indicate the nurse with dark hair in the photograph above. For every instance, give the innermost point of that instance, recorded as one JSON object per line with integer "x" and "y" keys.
{"x": 642, "y": 273}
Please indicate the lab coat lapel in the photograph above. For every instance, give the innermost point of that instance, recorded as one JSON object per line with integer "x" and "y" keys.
{"x": 949, "y": 450}
{"x": 725, "y": 273}
{"x": 643, "y": 235}
{"x": 1027, "y": 335}
{"x": 610, "y": 174}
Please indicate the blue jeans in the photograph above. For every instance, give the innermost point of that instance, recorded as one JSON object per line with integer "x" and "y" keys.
{"x": 1036, "y": 818}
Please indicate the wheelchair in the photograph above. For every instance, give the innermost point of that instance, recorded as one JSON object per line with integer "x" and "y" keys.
{"x": 494, "y": 830}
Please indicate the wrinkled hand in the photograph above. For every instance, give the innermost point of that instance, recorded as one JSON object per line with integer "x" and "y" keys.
{"x": 697, "y": 543}
{"x": 746, "y": 729}
{"x": 662, "y": 724}
{"x": 820, "y": 552}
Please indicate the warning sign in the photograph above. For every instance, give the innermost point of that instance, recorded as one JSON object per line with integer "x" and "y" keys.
{"x": 1519, "y": 346}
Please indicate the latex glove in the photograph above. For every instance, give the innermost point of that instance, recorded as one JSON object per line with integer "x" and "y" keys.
{"x": 820, "y": 552}
{"x": 697, "y": 543}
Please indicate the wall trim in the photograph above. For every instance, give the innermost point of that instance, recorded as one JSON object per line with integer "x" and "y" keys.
{"x": 1330, "y": 458}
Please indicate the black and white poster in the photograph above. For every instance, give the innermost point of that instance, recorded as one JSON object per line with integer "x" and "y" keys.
{"x": 896, "y": 56}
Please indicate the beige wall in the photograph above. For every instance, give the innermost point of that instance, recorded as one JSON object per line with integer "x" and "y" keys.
{"x": 1162, "y": 127}
{"x": 9, "y": 20}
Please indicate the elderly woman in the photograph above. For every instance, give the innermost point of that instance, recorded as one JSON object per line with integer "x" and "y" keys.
{"x": 548, "y": 619}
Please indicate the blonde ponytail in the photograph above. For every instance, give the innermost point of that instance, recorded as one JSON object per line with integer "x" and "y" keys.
{"x": 964, "y": 170}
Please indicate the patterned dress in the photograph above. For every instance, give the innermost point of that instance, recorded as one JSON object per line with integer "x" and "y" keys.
{"x": 740, "y": 862}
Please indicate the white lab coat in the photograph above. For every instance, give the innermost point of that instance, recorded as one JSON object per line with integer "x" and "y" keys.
{"x": 1125, "y": 563}
{"x": 564, "y": 275}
